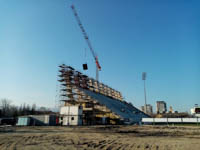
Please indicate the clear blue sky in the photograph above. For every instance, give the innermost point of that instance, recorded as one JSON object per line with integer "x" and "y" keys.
{"x": 160, "y": 37}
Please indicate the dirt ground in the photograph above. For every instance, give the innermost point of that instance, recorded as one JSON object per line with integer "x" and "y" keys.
{"x": 100, "y": 137}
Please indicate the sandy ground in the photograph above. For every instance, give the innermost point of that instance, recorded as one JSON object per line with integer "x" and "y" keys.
{"x": 100, "y": 137}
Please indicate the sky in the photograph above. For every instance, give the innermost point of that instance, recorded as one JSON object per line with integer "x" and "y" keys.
{"x": 161, "y": 38}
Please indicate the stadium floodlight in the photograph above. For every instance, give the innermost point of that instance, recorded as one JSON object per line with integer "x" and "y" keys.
{"x": 144, "y": 75}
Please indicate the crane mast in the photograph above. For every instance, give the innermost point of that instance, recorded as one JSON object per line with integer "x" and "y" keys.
{"x": 98, "y": 67}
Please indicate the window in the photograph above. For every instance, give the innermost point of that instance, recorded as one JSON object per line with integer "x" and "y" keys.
{"x": 72, "y": 118}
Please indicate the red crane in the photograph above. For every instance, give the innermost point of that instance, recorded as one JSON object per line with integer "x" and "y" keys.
{"x": 98, "y": 67}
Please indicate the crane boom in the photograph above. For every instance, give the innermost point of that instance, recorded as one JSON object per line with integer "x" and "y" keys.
{"x": 87, "y": 39}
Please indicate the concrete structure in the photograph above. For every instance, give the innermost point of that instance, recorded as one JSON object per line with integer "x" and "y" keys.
{"x": 161, "y": 107}
{"x": 125, "y": 111}
{"x": 71, "y": 115}
{"x": 100, "y": 103}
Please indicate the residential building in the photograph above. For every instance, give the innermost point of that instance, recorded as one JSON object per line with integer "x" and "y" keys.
{"x": 161, "y": 107}
{"x": 149, "y": 109}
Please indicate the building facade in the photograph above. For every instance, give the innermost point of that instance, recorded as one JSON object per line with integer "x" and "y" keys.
{"x": 71, "y": 115}
{"x": 161, "y": 107}
{"x": 149, "y": 109}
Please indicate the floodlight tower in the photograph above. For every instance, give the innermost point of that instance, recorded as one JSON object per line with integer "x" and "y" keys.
{"x": 144, "y": 75}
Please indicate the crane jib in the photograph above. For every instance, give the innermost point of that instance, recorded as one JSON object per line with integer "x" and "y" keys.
{"x": 86, "y": 38}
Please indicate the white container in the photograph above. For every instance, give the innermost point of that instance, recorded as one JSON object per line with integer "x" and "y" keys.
{"x": 174, "y": 120}
{"x": 71, "y": 115}
{"x": 160, "y": 119}
{"x": 190, "y": 120}
{"x": 147, "y": 119}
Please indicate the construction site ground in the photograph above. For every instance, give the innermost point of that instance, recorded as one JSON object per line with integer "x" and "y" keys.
{"x": 100, "y": 137}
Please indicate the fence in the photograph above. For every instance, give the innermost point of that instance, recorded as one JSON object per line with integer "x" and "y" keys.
{"x": 170, "y": 120}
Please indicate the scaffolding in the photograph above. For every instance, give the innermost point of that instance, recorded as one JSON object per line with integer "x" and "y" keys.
{"x": 72, "y": 81}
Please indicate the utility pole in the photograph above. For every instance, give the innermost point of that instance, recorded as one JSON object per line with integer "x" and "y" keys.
{"x": 144, "y": 74}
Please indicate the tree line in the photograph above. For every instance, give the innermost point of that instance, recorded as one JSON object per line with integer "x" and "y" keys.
{"x": 9, "y": 110}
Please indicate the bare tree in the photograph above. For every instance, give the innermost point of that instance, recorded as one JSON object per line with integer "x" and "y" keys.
{"x": 8, "y": 110}
{"x": 5, "y": 107}
{"x": 33, "y": 109}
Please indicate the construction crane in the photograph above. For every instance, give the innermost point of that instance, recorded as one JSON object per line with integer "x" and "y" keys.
{"x": 98, "y": 67}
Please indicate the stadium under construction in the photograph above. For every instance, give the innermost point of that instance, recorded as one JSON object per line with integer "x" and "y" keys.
{"x": 85, "y": 101}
